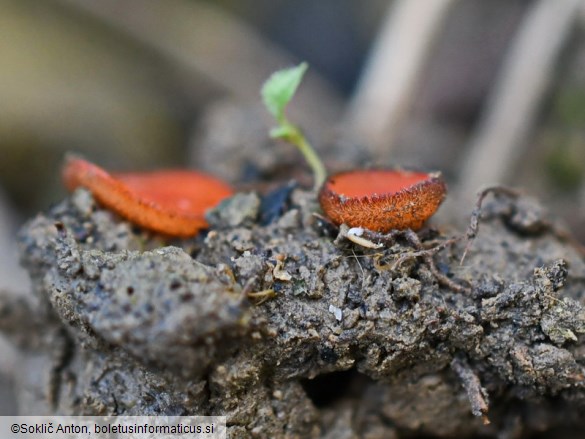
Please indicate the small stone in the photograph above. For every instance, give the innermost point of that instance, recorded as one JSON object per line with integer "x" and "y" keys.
{"x": 239, "y": 210}
{"x": 337, "y": 312}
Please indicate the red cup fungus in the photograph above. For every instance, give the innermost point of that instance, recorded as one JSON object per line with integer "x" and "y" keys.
{"x": 170, "y": 202}
{"x": 382, "y": 200}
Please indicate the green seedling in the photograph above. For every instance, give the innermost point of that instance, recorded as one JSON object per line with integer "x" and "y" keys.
{"x": 277, "y": 92}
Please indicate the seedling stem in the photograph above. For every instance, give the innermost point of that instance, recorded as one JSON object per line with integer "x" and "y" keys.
{"x": 277, "y": 92}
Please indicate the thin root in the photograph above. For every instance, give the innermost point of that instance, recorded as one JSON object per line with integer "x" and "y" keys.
{"x": 427, "y": 254}
{"x": 263, "y": 295}
{"x": 474, "y": 221}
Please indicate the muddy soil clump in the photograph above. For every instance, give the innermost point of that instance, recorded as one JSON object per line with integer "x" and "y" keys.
{"x": 292, "y": 331}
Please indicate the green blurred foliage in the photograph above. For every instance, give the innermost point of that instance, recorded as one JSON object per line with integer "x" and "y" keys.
{"x": 565, "y": 162}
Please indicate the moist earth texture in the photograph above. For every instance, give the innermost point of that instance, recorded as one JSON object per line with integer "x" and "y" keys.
{"x": 277, "y": 321}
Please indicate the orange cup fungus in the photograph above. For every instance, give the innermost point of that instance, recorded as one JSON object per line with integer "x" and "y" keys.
{"x": 382, "y": 200}
{"x": 171, "y": 202}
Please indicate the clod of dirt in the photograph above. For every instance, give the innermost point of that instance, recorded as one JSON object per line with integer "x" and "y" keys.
{"x": 290, "y": 333}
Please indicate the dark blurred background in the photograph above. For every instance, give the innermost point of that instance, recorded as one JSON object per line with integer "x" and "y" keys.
{"x": 486, "y": 92}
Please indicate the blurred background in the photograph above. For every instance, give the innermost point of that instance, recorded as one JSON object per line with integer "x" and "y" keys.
{"x": 486, "y": 92}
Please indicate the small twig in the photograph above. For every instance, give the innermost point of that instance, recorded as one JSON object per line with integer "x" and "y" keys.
{"x": 477, "y": 395}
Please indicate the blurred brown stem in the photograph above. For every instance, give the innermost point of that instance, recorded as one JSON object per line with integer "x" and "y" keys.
{"x": 386, "y": 88}
{"x": 512, "y": 107}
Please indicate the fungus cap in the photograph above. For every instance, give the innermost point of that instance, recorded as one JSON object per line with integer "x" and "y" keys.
{"x": 171, "y": 202}
{"x": 382, "y": 200}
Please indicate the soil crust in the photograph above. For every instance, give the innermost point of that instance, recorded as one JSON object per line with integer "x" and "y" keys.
{"x": 290, "y": 330}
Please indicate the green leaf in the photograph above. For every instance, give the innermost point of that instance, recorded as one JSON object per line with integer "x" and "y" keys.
{"x": 279, "y": 89}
